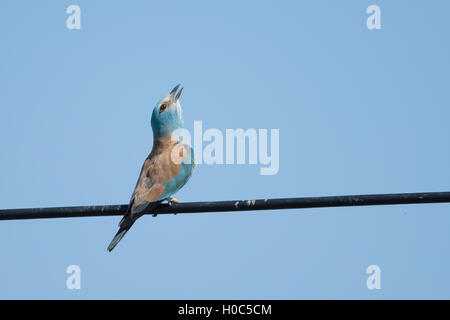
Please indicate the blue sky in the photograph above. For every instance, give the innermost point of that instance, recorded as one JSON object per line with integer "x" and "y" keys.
{"x": 359, "y": 111}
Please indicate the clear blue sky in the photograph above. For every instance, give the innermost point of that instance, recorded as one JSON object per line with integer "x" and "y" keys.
{"x": 359, "y": 111}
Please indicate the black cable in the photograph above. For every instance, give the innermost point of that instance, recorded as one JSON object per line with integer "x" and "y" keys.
{"x": 237, "y": 205}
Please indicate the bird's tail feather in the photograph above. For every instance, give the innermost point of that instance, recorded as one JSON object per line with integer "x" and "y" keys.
{"x": 119, "y": 235}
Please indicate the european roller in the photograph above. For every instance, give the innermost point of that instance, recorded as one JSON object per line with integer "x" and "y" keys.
{"x": 167, "y": 168}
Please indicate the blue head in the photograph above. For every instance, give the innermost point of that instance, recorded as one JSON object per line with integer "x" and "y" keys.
{"x": 167, "y": 115}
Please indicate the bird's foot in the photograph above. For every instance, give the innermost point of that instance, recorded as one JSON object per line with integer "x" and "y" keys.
{"x": 172, "y": 201}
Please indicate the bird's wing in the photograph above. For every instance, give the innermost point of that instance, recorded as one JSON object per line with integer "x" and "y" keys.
{"x": 146, "y": 193}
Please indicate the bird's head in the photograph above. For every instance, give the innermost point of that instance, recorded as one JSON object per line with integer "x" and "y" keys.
{"x": 167, "y": 115}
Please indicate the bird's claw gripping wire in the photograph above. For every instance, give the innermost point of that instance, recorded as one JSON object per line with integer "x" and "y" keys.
{"x": 172, "y": 201}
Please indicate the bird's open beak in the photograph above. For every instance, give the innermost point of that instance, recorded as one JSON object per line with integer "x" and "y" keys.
{"x": 174, "y": 96}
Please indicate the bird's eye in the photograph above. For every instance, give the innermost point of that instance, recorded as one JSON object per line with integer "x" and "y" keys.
{"x": 162, "y": 107}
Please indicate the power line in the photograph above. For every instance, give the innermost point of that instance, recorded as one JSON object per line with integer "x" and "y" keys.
{"x": 230, "y": 206}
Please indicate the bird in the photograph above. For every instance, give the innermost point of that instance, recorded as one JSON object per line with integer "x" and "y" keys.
{"x": 166, "y": 169}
